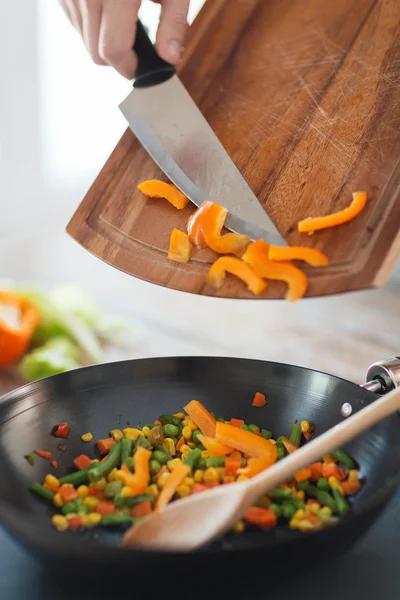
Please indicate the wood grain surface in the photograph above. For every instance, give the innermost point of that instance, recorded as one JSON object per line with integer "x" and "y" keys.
{"x": 305, "y": 97}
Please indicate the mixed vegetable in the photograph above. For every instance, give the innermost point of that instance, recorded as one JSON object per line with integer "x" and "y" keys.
{"x": 142, "y": 469}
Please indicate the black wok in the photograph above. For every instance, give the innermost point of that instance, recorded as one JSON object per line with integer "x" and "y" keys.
{"x": 103, "y": 397}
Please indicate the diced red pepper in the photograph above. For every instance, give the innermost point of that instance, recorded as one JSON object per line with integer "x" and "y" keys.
{"x": 62, "y": 430}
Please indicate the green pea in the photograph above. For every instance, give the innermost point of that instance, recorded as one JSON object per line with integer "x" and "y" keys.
{"x": 303, "y": 485}
{"x": 254, "y": 427}
{"x": 267, "y": 435}
{"x": 277, "y": 509}
{"x": 194, "y": 458}
{"x": 245, "y": 427}
{"x": 312, "y": 491}
{"x": 155, "y": 466}
{"x": 160, "y": 457}
{"x": 143, "y": 442}
{"x": 170, "y": 430}
{"x": 280, "y": 495}
{"x": 169, "y": 419}
{"x": 69, "y": 507}
{"x": 288, "y": 510}
{"x": 195, "y": 435}
{"x": 82, "y": 510}
{"x": 322, "y": 484}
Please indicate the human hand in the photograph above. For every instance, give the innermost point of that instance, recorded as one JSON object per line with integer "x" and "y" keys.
{"x": 108, "y": 29}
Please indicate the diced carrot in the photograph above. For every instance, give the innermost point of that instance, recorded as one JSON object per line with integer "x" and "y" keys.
{"x": 200, "y": 415}
{"x": 262, "y": 517}
{"x": 75, "y": 523}
{"x": 198, "y": 487}
{"x": 141, "y": 510}
{"x": 52, "y": 488}
{"x": 245, "y": 441}
{"x": 105, "y": 445}
{"x": 54, "y": 464}
{"x": 63, "y": 430}
{"x": 82, "y": 462}
{"x": 290, "y": 447}
{"x": 259, "y": 400}
{"x": 213, "y": 447}
{"x": 157, "y": 422}
{"x": 99, "y": 494}
{"x": 43, "y": 454}
{"x": 232, "y": 464}
{"x": 316, "y": 471}
{"x": 68, "y": 494}
{"x": 237, "y": 422}
{"x": 105, "y": 508}
{"x": 350, "y": 488}
{"x": 332, "y": 470}
{"x": 303, "y": 474}
{"x": 180, "y": 443}
{"x": 171, "y": 485}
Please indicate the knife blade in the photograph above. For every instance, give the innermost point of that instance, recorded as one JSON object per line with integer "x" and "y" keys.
{"x": 171, "y": 128}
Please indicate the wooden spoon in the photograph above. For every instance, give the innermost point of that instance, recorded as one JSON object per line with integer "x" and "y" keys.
{"x": 193, "y": 521}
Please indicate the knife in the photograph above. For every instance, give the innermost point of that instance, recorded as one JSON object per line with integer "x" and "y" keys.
{"x": 171, "y": 128}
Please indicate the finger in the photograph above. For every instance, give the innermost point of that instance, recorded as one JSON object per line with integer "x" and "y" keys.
{"x": 91, "y": 19}
{"x": 74, "y": 14}
{"x": 172, "y": 29}
{"x": 117, "y": 35}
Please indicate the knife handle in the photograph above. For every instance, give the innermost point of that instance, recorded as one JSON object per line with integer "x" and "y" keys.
{"x": 152, "y": 69}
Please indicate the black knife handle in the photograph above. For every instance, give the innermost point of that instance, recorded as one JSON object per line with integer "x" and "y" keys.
{"x": 152, "y": 69}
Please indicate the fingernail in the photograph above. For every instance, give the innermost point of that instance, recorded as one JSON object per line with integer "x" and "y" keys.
{"x": 174, "y": 50}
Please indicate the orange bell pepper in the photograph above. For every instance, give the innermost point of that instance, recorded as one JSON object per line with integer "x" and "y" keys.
{"x": 255, "y": 466}
{"x": 256, "y": 256}
{"x": 200, "y": 415}
{"x": 140, "y": 480}
{"x": 235, "y": 266}
{"x": 303, "y": 474}
{"x": 159, "y": 189}
{"x": 332, "y": 470}
{"x": 195, "y": 226}
{"x": 14, "y": 340}
{"x": 259, "y": 400}
{"x": 245, "y": 441}
{"x": 290, "y": 447}
{"x": 171, "y": 485}
{"x": 313, "y": 257}
{"x": 262, "y": 517}
{"x": 316, "y": 471}
{"x": 179, "y": 247}
{"x": 213, "y": 447}
{"x": 343, "y": 216}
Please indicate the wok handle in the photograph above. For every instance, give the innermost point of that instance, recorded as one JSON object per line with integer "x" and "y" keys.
{"x": 383, "y": 376}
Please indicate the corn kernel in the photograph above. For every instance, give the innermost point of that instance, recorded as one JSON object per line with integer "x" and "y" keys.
{"x": 82, "y": 491}
{"x": 119, "y": 475}
{"x": 199, "y": 476}
{"x": 127, "y": 492}
{"x": 300, "y": 514}
{"x": 205, "y": 454}
{"x": 146, "y": 431}
{"x": 57, "y": 500}
{"x": 116, "y": 434}
{"x": 314, "y": 508}
{"x": 228, "y": 479}
{"x": 184, "y": 456}
{"x": 84, "y": 518}
{"x": 235, "y": 454}
{"x": 187, "y": 433}
{"x": 152, "y": 490}
{"x": 169, "y": 446}
{"x": 188, "y": 481}
{"x": 111, "y": 475}
{"x": 183, "y": 491}
{"x": 211, "y": 475}
{"x": 53, "y": 481}
{"x": 192, "y": 424}
{"x": 221, "y": 473}
{"x": 329, "y": 459}
{"x": 59, "y": 522}
{"x": 131, "y": 433}
{"x": 239, "y": 527}
{"x": 353, "y": 475}
{"x": 300, "y": 496}
{"x": 70, "y": 516}
{"x": 179, "y": 415}
{"x": 304, "y": 426}
{"x": 325, "y": 511}
{"x": 94, "y": 518}
{"x": 162, "y": 480}
{"x": 242, "y": 478}
{"x": 264, "y": 502}
{"x": 87, "y": 437}
{"x": 91, "y": 502}
{"x": 185, "y": 449}
{"x": 185, "y": 421}
{"x": 191, "y": 445}
{"x": 65, "y": 485}
{"x": 172, "y": 464}
{"x": 95, "y": 460}
{"x": 333, "y": 482}
{"x": 101, "y": 484}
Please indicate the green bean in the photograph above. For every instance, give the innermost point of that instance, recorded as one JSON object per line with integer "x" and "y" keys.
{"x": 69, "y": 507}
{"x": 245, "y": 427}
{"x": 121, "y": 502}
{"x": 200, "y": 447}
{"x": 194, "y": 458}
{"x": 326, "y": 499}
{"x": 160, "y": 456}
{"x": 113, "y": 488}
{"x": 112, "y": 462}
{"x": 221, "y": 419}
{"x": 126, "y": 448}
{"x": 129, "y": 463}
{"x": 279, "y": 442}
{"x": 322, "y": 484}
{"x": 254, "y": 428}
{"x": 42, "y": 491}
{"x": 344, "y": 458}
{"x": 116, "y": 520}
{"x": 202, "y": 464}
{"x": 170, "y": 430}
{"x": 312, "y": 491}
{"x": 288, "y": 510}
{"x": 267, "y": 435}
{"x": 277, "y": 509}
{"x": 299, "y": 504}
{"x": 82, "y": 510}
{"x": 281, "y": 452}
{"x": 341, "y": 502}
{"x": 79, "y": 477}
{"x": 155, "y": 466}
{"x": 164, "y": 419}
{"x": 295, "y": 434}
{"x": 215, "y": 461}
{"x": 194, "y": 436}
{"x": 143, "y": 442}
{"x": 280, "y": 495}
{"x": 303, "y": 485}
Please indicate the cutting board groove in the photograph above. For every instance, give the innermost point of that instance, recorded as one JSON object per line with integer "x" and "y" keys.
{"x": 305, "y": 97}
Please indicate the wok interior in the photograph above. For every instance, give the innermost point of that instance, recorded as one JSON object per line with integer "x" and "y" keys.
{"x": 117, "y": 395}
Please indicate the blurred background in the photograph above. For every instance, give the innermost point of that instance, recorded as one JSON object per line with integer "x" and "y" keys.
{"x": 59, "y": 122}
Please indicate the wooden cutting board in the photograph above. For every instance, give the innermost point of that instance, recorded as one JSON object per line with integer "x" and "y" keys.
{"x": 305, "y": 97}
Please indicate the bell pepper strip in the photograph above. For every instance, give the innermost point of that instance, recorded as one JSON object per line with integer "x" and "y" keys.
{"x": 82, "y": 462}
{"x": 259, "y": 400}
{"x": 171, "y": 485}
{"x": 316, "y": 471}
{"x": 213, "y": 220}
{"x": 255, "y": 466}
{"x": 15, "y": 337}
{"x": 237, "y": 422}
{"x": 343, "y": 216}
{"x": 290, "y": 447}
{"x": 43, "y": 454}
{"x": 256, "y": 256}
{"x": 105, "y": 507}
{"x": 200, "y": 415}
{"x": 140, "y": 480}
{"x": 213, "y": 447}
{"x": 245, "y": 441}
{"x": 332, "y": 470}
{"x": 68, "y": 494}
{"x": 311, "y": 256}
{"x": 105, "y": 445}
{"x": 179, "y": 247}
{"x": 195, "y": 226}
{"x": 240, "y": 269}
{"x": 303, "y": 474}
{"x": 159, "y": 189}
{"x": 262, "y": 517}
{"x": 62, "y": 430}
{"x": 141, "y": 510}
{"x": 232, "y": 465}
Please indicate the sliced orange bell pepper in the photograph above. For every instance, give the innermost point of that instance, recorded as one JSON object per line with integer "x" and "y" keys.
{"x": 245, "y": 441}
{"x": 343, "y": 216}
{"x": 140, "y": 480}
{"x": 159, "y": 189}
{"x": 303, "y": 474}
{"x": 195, "y": 226}
{"x": 179, "y": 247}
{"x": 235, "y": 266}
{"x": 290, "y": 447}
{"x": 171, "y": 485}
{"x": 262, "y": 517}
{"x": 313, "y": 257}
{"x": 316, "y": 471}
{"x": 214, "y": 448}
{"x": 200, "y": 415}
{"x": 14, "y": 340}
{"x": 213, "y": 221}
{"x": 255, "y": 466}
{"x": 332, "y": 470}
{"x": 256, "y": 256}
{"x": 350, "y": 488}
{"x": 259, "y": 400}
